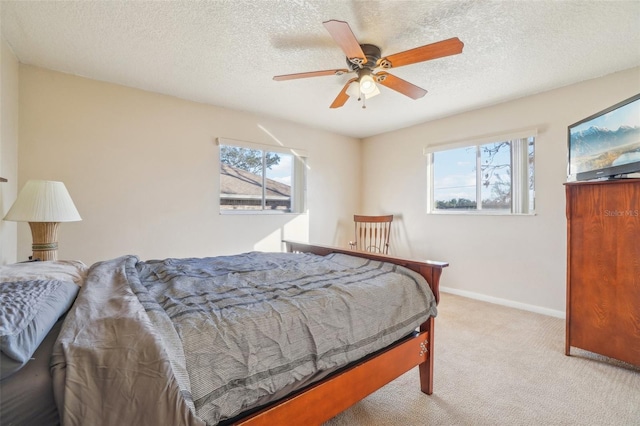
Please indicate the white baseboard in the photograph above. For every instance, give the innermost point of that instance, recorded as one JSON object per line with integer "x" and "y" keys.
{"x": 505, "y": 302}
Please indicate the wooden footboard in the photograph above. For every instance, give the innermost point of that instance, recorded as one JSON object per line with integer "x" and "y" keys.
{"x": 429, "y": 269}
{"x": 331, "y": 396}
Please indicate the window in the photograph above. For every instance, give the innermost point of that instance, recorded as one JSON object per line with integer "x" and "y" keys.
{"x": 490, "y": 177}
{"x": 261, "y": 179}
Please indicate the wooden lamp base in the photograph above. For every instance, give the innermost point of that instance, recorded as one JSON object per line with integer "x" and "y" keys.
{"x": 45, "y": 240}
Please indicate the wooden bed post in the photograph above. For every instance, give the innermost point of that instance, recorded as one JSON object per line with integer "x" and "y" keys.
{"x": 426, "y": 368}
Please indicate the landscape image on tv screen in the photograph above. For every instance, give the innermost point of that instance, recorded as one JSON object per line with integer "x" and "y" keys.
{"x": 607, "y": 140}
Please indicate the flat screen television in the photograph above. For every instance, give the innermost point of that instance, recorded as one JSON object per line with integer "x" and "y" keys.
{"x": 606, "y": 144}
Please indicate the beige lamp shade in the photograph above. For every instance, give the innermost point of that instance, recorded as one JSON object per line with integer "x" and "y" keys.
{"x": 43, "y": 201}
{"x": 44, "y": 204}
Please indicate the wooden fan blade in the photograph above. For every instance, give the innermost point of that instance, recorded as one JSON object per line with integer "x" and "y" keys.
{"x": 452, "y": 46}
{"x": 400, "y": 85}
{"x": 342, "y": 34}
{"x": 342, "y": 96}
{"x": 309, "y": 74}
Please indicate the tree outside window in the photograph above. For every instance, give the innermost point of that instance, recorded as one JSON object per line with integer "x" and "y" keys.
{"x": 256, "y": 180}
{"x": 499, "y": 174}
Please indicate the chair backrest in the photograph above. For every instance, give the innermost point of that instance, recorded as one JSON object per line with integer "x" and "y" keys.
{"x": 372, "y": 233}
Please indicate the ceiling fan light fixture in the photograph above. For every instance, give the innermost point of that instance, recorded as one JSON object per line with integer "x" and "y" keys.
{"x": 353, "y": 90}
{"x": 374, "y": 92}
{"x": 367, "y": 84}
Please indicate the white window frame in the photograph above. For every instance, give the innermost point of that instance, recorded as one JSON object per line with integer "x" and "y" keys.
{"x": 519, "y": 173}
{"x": 298, "y": 183}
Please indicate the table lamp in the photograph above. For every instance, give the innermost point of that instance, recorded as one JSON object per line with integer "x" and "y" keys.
{"x": 44, "y": 204}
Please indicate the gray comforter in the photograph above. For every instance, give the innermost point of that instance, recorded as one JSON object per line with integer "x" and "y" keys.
{"x": 198, "y": 341}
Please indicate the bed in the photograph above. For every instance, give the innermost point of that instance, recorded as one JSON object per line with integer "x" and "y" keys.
{"x": 34, "y": 297}
{"x": 248, "y": 339}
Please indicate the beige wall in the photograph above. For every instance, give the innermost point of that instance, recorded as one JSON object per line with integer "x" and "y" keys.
{"x": 517, "y": 260}
{"x": 142, "y": 170}
{"x": 8, "y": 150}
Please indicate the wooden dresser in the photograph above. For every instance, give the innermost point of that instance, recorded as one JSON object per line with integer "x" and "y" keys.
{"x": 603, "y": 268}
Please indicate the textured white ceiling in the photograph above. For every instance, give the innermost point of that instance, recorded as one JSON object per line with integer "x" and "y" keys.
{"x": 226, "y": 52}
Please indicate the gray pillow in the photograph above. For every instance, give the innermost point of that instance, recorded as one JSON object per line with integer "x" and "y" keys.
{"x": 29, "y": 311}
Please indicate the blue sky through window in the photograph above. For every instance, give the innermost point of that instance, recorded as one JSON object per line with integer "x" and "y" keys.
{"x": 454, "y": 174}
{"x": 283, "y": 171}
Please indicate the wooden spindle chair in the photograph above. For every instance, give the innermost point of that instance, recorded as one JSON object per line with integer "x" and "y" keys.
{"x": 372, "y": 233}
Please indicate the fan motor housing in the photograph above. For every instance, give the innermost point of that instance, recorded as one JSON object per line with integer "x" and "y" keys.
{"x": 371, "y": 52}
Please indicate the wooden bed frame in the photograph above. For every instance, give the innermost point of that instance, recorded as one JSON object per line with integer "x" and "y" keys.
{"x": 329, "y": 397}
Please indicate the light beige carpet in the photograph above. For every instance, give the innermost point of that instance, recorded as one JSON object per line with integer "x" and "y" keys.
{"x": 501, "y": 366}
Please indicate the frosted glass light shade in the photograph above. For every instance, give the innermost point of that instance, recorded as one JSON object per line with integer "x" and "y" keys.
{"x": 43, "y": 201}
{"x": 354, "y": 91}
{"x": 374, "y": 92}
{"x": 367, "y": 85}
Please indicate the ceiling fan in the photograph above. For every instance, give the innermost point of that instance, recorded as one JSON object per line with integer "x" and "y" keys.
{"x": 365, "y": 59}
